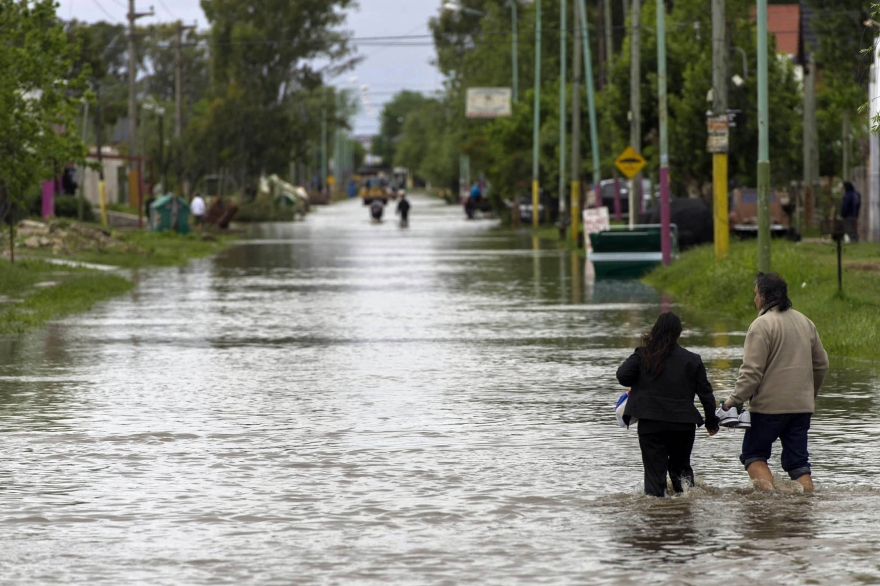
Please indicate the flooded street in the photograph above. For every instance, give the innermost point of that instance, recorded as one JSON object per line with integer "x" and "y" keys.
{"x": 340, "y": 402}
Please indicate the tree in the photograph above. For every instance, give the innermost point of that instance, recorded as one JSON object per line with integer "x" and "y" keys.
{"x": 394, "y": 115}
{"x": 262, "y": 67}
{"x": 38, "y": 101}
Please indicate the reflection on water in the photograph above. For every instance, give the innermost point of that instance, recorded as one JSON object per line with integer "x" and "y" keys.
{"x": 335, "y": 401}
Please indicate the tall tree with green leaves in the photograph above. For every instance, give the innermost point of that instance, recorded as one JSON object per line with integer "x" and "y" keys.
{"x": 39, "y": 99}
{"x": 263, "y": 57}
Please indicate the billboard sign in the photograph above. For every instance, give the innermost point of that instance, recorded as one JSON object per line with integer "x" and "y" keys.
{"x": 488, "y": 102}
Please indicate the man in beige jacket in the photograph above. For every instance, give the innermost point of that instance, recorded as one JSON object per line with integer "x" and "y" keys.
{"x": 783, "y": 367}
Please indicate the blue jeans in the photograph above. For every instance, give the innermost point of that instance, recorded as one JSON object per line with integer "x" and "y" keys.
{"x": 791, "y": 429}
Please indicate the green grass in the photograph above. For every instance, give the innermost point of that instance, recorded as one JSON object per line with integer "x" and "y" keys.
{"x": 76, "y": 290}
{"x": 160, "y": 249}
{"x": 119, "y": 207}
{"x": 848, "y": 323}
{"x": 79, "y": 289}
{"x": 551, "y": 233}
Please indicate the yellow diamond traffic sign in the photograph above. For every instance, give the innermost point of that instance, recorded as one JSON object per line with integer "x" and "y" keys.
{"x": 630, "y": 162}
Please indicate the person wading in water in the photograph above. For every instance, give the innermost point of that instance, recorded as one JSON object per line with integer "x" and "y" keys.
{"x": 664, "y": 378}
{"x": 784, "y": 365}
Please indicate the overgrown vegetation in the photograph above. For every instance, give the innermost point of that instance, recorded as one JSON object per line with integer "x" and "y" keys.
{"x": 33, "y": 292}
{"x": 848, "y": 323}
{"x": 429, "y": 133}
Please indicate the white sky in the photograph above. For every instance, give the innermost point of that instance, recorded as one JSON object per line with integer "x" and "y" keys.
{"x": 385, "y": 71}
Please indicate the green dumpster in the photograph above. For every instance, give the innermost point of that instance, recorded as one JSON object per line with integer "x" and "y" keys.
{"x": 161, "y": 212}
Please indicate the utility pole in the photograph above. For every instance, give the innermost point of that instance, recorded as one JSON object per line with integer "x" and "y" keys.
{"x": 664, "y": 134}
{"x": 763, "y": 144}
{"x": 563, "y": 75}
{"x": 591, "y": 98}
{"x": 514, "y": 51}
{"x": 536, "y": 124}
{"x": 635, "y": 98}
{"x": 323, "y": 182}
{"x": 99, "y": 135}
{"x": 846, "y": 145}
{"x": 609, "y": 41}
{"x": 132, "y": 94}
{"x": 809, "y": 134}
{"x": 720, "y": 53}
{"x": 576, "y": 129}
{"x": 178, "y": 79}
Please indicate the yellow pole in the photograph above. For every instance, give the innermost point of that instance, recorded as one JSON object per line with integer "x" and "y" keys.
{"x": 536, "y": 218}
{"x": 102, "y": 194}
{"x": 719, "y": 188}
{"x": 575, "y": 211}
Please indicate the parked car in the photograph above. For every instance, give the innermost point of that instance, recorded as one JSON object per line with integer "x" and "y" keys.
{"x": 607, "y": 187}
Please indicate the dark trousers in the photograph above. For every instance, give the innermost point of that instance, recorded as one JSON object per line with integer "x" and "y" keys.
{"x": 667, "y": 451}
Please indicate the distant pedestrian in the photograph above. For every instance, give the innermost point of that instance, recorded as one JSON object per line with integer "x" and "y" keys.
{"x": 197, "y": 207}
{"x": 403, "y": 208}
{"x": 783, "y": 367}
{"x": 377, "y": 207}
{"x": 849, "y": 210}
{"x": 664, "y": 378}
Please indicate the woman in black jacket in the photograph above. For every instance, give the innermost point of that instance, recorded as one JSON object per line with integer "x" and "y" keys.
{"x": 664, "y": 377}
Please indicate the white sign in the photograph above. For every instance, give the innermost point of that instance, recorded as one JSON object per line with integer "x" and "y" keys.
{"x": 488, "y": 102}
{"x": 595, "y": 220}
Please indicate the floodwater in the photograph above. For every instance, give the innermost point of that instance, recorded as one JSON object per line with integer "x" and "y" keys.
{"x": 341, "y": 402}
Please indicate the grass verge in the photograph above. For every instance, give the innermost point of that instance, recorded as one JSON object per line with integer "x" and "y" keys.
{"x": 159, "y": 249}
{"x": 35, "y": 292}
{"x": 551, "y": 233}
{"x": 848, "y": 322}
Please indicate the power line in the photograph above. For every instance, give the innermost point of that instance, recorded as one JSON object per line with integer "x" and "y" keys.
{"x": 104, "y": 10}
{"x": 168, "y": 10}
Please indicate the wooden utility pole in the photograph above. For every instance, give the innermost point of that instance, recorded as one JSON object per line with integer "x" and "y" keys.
{"x": 99, "y": 138}
{"x": 576, "y": 128}
{"x": 609, "y": 41}
{"x": 763, "y": 143}
{"x": 810, "y": 140}
{"x": 563, "y": 76}
{"x": 134, "y": 174}
{"x": 720, "y": 53}
{"x": 846, "y": 145}
{"x": 178, "y": 79}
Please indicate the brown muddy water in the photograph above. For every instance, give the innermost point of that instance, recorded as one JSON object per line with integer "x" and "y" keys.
{"x": 341, "y": 402}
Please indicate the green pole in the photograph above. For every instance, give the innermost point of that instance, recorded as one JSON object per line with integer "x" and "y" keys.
{"x": 515, "y": 52}
{"x": 665, "y": 244}
{"x": 562, "y": 78}
{"x": 536, "y": 132}
{"x": 591, "y": 98}
{"x": 323, "y": 182}
{"x": 763, "y": 145}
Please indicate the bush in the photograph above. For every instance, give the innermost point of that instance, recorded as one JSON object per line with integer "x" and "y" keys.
{"x": 264, "y": 211}
{"x": 67, "y": 206}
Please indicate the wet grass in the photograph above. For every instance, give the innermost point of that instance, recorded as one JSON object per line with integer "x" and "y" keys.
{"x": 159, "y": 249}
{"x": 26, "y": 304}
{"x": 848, "y": 323}
{"x": 551, "y": 234}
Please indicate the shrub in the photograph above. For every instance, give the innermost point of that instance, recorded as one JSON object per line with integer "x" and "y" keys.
{"x": 67, "y": 206}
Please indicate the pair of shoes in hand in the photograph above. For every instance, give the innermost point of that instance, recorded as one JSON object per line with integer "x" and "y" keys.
{"x": 733, "y": 418}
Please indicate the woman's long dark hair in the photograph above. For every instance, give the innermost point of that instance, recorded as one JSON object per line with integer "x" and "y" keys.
{"x": 659, "y": 342}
